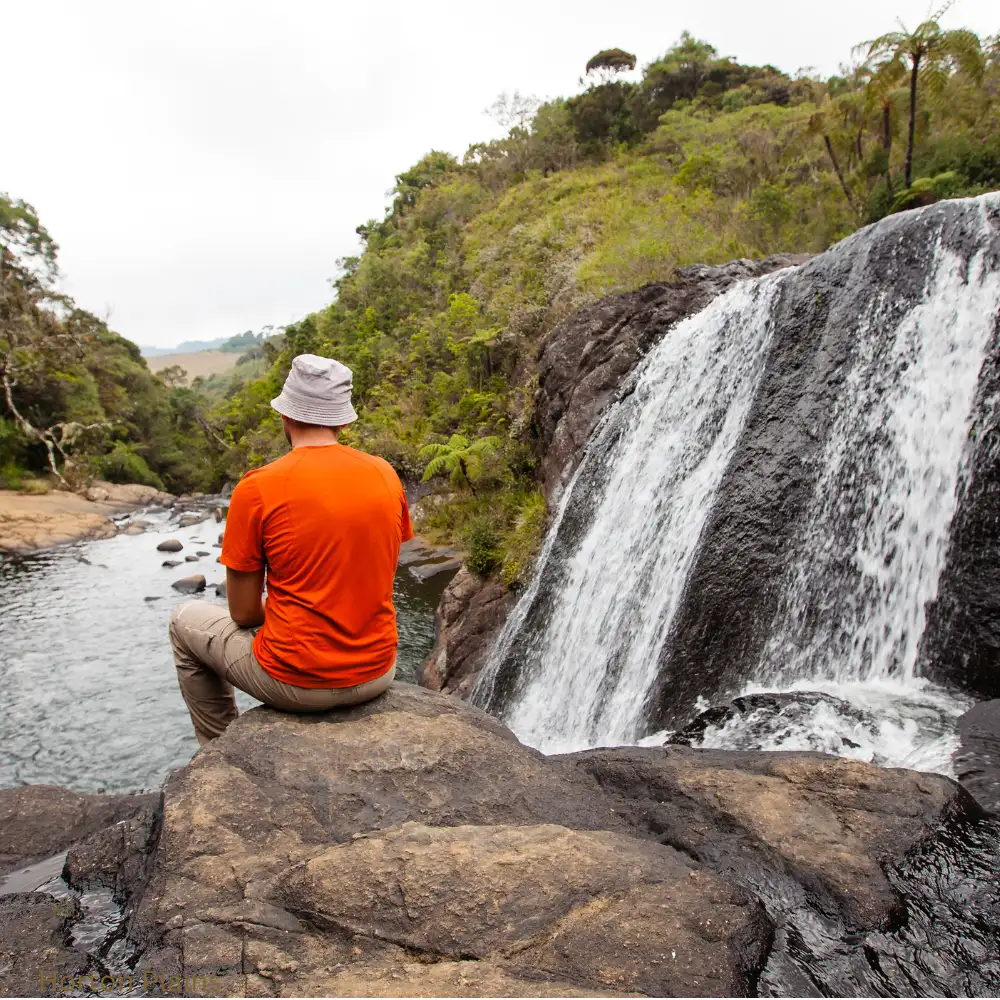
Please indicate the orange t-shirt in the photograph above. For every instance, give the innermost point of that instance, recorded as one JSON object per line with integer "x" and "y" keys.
{"x": 327, "y": 522}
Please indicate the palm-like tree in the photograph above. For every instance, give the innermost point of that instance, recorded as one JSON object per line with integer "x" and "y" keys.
{"x": 881, "y": 91}
{"x": 930, "y": 53}
{"x": 460, "y": 458}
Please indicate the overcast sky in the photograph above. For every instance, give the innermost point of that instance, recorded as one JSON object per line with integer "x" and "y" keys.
{"x": 203, "y": 165}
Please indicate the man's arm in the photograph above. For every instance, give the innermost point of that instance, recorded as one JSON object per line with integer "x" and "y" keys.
{"x": 243, "y": 591}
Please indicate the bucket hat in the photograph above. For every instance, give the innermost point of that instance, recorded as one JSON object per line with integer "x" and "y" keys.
{"x": 317, "y": 391}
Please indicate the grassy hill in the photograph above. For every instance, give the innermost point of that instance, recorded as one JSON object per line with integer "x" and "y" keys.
{"x": 703, "y": 160}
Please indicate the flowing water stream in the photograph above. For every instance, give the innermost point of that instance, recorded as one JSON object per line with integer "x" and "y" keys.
{"x": 89, "y": 693}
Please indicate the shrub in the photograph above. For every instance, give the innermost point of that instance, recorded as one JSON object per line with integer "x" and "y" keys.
{"x": 123, "y": 464}
{"x": 483, "y": 544}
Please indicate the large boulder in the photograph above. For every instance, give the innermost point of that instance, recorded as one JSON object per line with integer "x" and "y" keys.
{"x": 822, "y": 823}
{"x": 412, "y": 846}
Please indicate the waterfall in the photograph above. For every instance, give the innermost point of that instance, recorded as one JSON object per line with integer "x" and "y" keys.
{"x": 875, "y": 536}
{"x": 653, "y": 467}
{"x": 861, "y": 534}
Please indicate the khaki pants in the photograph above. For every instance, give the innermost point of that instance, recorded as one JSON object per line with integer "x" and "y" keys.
{"x": 213, "y": 654}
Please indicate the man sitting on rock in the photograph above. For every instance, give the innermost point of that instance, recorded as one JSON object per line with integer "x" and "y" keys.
{"x": 325, "y": 523}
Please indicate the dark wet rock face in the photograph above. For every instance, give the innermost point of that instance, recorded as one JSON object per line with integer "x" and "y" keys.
{"x": 170, "y": 545}
{"x": 583, "y": 362}
{"x": 469, "y": 615}
{"x": 961, "y": 644}
{"x": 977, "y": 760}
{"x": 34, "y": 945}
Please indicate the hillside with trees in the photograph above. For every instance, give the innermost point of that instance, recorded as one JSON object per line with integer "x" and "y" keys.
{"x": 697, "y": 158}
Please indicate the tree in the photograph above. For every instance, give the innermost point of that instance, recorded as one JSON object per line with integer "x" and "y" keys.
{"x": 33, "y": 341}
{"x": 881, "y": 89}
{"x": 930, "y": 54}
{"x": 608, "y": 63}
{"x": 824, "y": 122}
{"x": 513, "y": 111}
{"x": 459, "y": 458}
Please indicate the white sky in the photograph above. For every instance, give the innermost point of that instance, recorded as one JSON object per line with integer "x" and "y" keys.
{"x": 203, "y": 165}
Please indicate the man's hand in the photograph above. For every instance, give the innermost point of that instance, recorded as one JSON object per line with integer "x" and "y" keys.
{"x": 243, "y": 591}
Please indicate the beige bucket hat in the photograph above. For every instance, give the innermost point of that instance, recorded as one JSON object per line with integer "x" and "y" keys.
{"x": 317, "y": 391}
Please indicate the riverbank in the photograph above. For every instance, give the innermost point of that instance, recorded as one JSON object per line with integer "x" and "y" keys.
{"x": 30, "y": 521}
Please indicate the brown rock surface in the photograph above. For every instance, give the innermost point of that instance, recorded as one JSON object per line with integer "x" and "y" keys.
{"x": 35, "y": 521}
{"x": 35, "y": 953}
{"x": 314, "y": 854}
{"x": 826, "y": 823}
{"x": 412, "y": 846}
{"x": 38, "y": 821}
{"x": 468, "y": 617}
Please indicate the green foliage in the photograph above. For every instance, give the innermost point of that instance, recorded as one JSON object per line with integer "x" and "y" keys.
{"x": 482, "y": 542}
{"x": 460, "y": 458}
{"x": 123, "y": 464}
{"x": 75, "y": 395}
{"x": 611, "y": 61}
{"x": 523, "y": 540}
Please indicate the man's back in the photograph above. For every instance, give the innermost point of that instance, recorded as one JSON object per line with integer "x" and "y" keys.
{"x": 327, "y": 521}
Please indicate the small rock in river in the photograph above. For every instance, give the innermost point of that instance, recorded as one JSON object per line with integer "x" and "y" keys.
{"x": 220, "y": 590}
{"x": 189, "y": 585}
{"x": 203, "y": 553}
{"x": 170, "y": 545}
{"x": 171, "y": 563}
{"x": 152, "y": 598}
{"x": 190, "y": 559}
{"x": 134, "y": 529}
{"x": 222, "y": 535}
{"x": 187, "y": 520}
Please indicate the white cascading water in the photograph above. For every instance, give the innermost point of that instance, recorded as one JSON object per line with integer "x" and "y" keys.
{"x": 624, "y": 584}
{"x": 868, "y": 557}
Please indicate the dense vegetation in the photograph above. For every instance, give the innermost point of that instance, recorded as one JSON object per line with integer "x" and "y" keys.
{"x": 699, "y": 159}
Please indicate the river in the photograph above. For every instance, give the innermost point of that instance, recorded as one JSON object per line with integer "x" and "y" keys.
{"x": 89, "y": 694}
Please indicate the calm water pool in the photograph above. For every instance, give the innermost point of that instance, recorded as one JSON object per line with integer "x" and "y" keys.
{"x": 88, "y": 694}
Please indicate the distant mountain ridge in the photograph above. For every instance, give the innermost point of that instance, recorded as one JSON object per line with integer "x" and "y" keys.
{"x": 187, "y": 347}
{"x": 238, "y": 344}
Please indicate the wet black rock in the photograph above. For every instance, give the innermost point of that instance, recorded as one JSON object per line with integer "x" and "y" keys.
{"x": 220, "y": 589}
{"x": 189, "y": 585}
{"x": 733, "y": 591}
{"x": 115, "y": 857}
{"x": 171, "y": 563}
{"x": 190, "y": 559}
{"x": 170, "y": 545}
{"x": 977, "y": 760}
{"x": 764, "y": 720}
{"x": 149, "y": 600}
{"x": 203, "y": 553}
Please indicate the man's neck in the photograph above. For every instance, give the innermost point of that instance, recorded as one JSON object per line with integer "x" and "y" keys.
{"x": 310, "y": 437}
